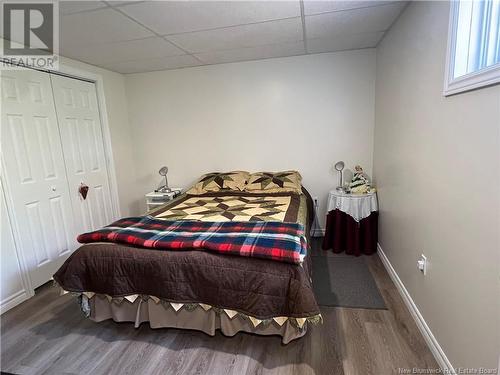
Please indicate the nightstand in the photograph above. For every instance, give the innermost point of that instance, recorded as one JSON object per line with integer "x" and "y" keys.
{"x": 351, "y": 223}
{"x": 157, "y": 198}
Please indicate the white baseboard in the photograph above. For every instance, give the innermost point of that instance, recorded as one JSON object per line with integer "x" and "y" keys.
{"x": 429, "y": 338}
{"x": 13, "y": 301}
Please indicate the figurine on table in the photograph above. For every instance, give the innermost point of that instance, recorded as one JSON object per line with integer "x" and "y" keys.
{"x": 360, "y": 184}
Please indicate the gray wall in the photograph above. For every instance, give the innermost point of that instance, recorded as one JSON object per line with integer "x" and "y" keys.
{"x": 437, "y": 166}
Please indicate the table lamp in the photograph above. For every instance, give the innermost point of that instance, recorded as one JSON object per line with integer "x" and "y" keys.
{"x": 163, "y": 172}
{"x": 339, "y": 166}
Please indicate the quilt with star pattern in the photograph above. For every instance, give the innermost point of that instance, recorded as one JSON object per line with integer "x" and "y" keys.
{"x": 233, "y": 206}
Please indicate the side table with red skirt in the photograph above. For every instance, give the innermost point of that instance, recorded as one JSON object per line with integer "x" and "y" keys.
{"x": 351, "y": 224}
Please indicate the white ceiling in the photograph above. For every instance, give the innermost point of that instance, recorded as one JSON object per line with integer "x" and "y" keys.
{"x": 142, "y": 36}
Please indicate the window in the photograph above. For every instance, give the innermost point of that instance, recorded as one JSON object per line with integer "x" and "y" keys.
{"x": 473, "y": 58}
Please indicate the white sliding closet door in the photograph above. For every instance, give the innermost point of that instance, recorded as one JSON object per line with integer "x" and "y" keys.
{"x": 35, "y": 172}
{"x": 83, "y": 147}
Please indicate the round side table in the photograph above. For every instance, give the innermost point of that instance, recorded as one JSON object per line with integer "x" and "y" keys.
{"x": 351, "y": 223}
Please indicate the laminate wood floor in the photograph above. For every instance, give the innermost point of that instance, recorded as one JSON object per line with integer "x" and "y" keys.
{"x": 49, "y": 335}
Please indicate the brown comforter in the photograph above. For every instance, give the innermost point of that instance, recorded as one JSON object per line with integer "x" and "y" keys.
{"x": 260, "y": 288}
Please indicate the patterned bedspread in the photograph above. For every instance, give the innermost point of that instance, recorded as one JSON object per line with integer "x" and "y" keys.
{"x": 234, "y": 207}
{"x": 284, "y": 242}
{"x": 256, "y": 287}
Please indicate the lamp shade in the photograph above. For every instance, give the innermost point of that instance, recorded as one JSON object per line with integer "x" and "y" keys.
{"x": 163, "y": 171}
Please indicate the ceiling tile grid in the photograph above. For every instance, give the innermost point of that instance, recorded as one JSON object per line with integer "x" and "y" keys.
{"x": 250, "y": 35}
{"x": 173, "y": 17}
{"x": 252, "y": 53}
{"x": 151, "y": 47}
{"x": 69, "y": 7}
{"x": 149, "y": 65}
{"x": 354, "y": 21}
{"x": 140, "y": 36}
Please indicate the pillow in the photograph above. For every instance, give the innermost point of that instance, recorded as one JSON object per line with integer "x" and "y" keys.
{"x": 216, "y": 181}
{"x": 274, "y": 182}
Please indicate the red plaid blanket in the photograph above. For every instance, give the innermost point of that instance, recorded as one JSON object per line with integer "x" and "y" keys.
{"x": 284, "y": 242}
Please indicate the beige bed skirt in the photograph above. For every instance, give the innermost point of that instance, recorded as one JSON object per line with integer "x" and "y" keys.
{"x": 171, "y": 315}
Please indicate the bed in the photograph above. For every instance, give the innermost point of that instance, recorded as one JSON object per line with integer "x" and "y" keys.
{"x": 198, "y": 289}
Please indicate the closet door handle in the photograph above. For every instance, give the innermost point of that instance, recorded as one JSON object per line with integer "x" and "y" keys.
{"x": 83, "y": 190}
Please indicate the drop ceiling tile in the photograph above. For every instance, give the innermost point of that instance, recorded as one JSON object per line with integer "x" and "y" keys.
{"x": 99, "y": 26}
{"x": 252, "y": 53}
{"x": 273, "y": 32}
{"x": 356, "y": 21}
{"x": 120, "y": 3}
{"x": 324, "y": 6}
{"x": 68, "y": 7}
{"x": 149, "y": 65}
{"x": 98, "y": 54}
{"x": 344, "y": 42}
{"x": 171, "y": 17}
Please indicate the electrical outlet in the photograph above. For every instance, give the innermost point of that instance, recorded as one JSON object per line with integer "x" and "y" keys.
{"x": 422, "y": 264}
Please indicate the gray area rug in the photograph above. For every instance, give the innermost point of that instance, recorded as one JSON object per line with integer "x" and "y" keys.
{"x": 345, "y": 281}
